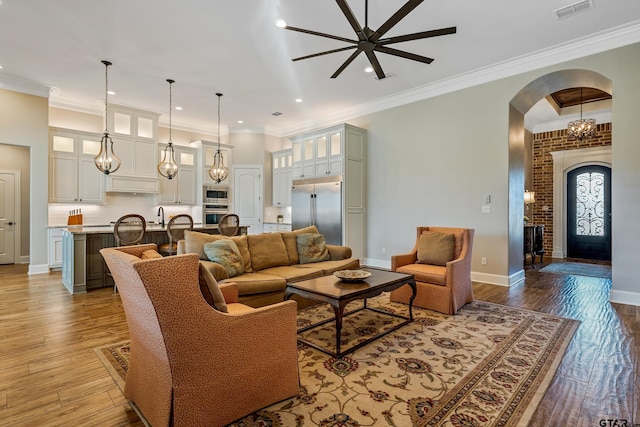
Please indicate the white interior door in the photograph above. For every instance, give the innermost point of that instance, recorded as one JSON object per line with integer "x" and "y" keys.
{"x": 247, "y": 197}
{"x": 7, "y": 217}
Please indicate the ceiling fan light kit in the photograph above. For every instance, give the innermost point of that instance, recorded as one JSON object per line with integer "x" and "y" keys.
{"x": 369, "y": 41}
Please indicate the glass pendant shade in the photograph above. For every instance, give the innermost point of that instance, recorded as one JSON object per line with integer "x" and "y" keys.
{"x": 218, "y": 171}
{"x": 168, "y": 167}
{"x": 106, "y": 161}
{"x": 583, "y": 128}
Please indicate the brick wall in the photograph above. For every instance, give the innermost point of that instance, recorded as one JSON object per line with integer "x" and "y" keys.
{"x": 542, "y": 164}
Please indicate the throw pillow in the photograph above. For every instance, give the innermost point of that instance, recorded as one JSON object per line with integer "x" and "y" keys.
{"x": 150, "y": 254}
{"x": 226, "y": 253}
{"x": 210, "y": 290}
{"x": 311, "y": 248}
{"x": 267, "y": 250}
{"x": 289, "y": 238}
{"x": 435, "y": 248}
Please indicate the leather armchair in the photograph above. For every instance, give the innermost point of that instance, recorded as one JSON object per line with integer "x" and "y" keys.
{"x": 439, "y": 288}
{"x": 191, "y": 364}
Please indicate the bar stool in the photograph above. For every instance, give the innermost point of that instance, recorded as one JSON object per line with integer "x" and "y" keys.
{"x": 175, "y": 229}
{"x": 229, "y": 225}
{"x": 129, "y": 230}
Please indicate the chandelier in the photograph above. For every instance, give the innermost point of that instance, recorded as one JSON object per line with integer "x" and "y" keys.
{"x": 583, "y": 128}
{"x": 168, "y": 166}
{"x": 106, "y": 160}
{"x": 218, "y": 172}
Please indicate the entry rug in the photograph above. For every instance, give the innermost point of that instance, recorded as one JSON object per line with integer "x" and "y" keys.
{"x": 579, "y": 269}
{"x": 489, "y": 365}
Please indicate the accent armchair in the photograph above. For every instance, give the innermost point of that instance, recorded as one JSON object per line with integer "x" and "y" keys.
{"x": 190, "y": 363}
{"x": 446, "y": 285}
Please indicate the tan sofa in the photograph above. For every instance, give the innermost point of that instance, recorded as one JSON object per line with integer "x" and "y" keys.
{"x": 270, "y": 261}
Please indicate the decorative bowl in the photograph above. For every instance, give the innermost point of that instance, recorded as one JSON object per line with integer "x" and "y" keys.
{"x": 352, "y": 275}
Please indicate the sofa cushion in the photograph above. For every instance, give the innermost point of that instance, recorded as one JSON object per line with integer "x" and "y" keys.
{"x": 210, "y": 290}
{"x": 243, "y": 245}
{"x": 215, "y": 269}
{"x": 289, "y": 238}
{"x": 256, "y": 283}
{"x": 425, "y": 273}
{"x": 435, "y": 248}
{"x": 226, "y": 253}
{"x": 267, "y": 250}
{"x": 294, "y": 273}
{"x": 331, "y": 266}
{"x": 311, "y": 248}
{"x": 150, "y": 254}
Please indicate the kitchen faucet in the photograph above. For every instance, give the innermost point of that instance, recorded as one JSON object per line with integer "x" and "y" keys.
{"x": 161, "y": 216}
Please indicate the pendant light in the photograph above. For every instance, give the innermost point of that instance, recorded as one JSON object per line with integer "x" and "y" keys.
{"x": 106, "y": 160}
{"x": 168, "y": 166}
{"x": 218, "y": 172}
{"x": 583, "y": 128}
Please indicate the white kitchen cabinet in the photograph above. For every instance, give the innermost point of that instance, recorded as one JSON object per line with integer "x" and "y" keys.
{"x": 320, "y": 153}
{"x": 55, "y": 247}
{"x": 281, "y": 178}
{"x": 182, "y": 188}
{"x": 272, "y": 227}
{"x": 134, "y": 142}
{"x": 73, "y": 176}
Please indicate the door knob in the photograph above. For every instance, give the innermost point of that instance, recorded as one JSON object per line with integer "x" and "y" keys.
{"x": 10, "y": 223}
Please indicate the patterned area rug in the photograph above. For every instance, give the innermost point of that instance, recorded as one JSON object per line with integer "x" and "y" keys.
{"x": 579, "y": 269}
{"x": 489, "y": 365}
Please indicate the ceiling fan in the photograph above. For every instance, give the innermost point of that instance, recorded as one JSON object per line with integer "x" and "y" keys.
{"x": 370, "y": 41}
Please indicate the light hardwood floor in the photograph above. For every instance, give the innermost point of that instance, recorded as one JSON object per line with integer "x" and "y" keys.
{"x": 50, "y": 375}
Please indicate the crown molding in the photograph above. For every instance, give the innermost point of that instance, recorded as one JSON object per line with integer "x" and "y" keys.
{"x": 28, "y": 87}
{"x": 599, "y": 42}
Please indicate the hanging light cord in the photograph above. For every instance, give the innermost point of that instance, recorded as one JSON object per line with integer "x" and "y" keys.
{"x": 170, "y": 108}
{"x": 106, "y": 95}
{"x": 219, "y": 95}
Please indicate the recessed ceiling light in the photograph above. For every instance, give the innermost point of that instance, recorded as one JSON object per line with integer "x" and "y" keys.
{"x": 240, "y": 121}
{"x": 368, "y": 70}
{"x": 179, "y": 108}
{"x": 298, "y": 100}
{"x": 111, "y": 92}
{"x": 281, "y": 23}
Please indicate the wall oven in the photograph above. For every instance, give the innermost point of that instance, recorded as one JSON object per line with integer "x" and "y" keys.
{"x": 216, "y": 194}
{"x": 212, "y": 212}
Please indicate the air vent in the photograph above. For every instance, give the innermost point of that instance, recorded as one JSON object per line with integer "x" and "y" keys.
{"x": 277, "y": 113}
{"x": 572, "y": 9}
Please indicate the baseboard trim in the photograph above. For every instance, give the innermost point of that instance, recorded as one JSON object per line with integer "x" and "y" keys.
{"x": 625, "y": 297}
{"x": 38, "y": 269}
{"x": 379, "y": 263}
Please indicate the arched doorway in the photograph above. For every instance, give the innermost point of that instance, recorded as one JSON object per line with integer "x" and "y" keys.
{"x": 518, "y": 107}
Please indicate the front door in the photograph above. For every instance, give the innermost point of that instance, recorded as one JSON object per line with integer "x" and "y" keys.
{"x": 7, "y": 217}
{"x": 589, "y": 213}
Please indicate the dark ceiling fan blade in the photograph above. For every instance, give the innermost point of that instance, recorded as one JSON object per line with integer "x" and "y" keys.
{"x": 315, "y": 33}
{"x": 348, "y": 13}
{"x": 375, "y": 64}
{"x": 346, "y": 63}
{"x": 403, "y": 54}
{"x": 395, "y": 18}
{"x": 324, "y": 53}
{"x": 417, "y": 36}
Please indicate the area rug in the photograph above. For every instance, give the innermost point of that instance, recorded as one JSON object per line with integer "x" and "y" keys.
{"x": 579, "y": 269}
{"x": 489, "y": 365}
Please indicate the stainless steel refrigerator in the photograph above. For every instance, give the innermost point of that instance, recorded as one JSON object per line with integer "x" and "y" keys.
{"x": 318, "y": 201}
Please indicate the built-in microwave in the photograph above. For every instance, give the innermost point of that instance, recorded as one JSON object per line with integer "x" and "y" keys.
{"x": 216, "y": 194}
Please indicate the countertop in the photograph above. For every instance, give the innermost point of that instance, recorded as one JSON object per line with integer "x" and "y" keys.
{"x": 100, "y": 229}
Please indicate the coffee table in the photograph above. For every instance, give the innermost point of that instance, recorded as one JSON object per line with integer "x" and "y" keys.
{"x": 335, "y": 292}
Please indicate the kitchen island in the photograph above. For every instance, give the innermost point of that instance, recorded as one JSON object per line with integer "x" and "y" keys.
{"x": 82, "y": 264}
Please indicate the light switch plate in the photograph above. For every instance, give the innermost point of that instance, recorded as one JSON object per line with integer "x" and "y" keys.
{"x": 486, "y": 209}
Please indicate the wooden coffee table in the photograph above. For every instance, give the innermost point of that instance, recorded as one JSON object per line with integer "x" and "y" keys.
{"x": 338, "y": 294}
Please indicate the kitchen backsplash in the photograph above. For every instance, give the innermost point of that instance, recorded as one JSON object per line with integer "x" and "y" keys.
{"x": 119, "y": 204}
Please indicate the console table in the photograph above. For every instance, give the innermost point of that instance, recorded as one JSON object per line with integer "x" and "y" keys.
{"x": 533, "y": 242}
